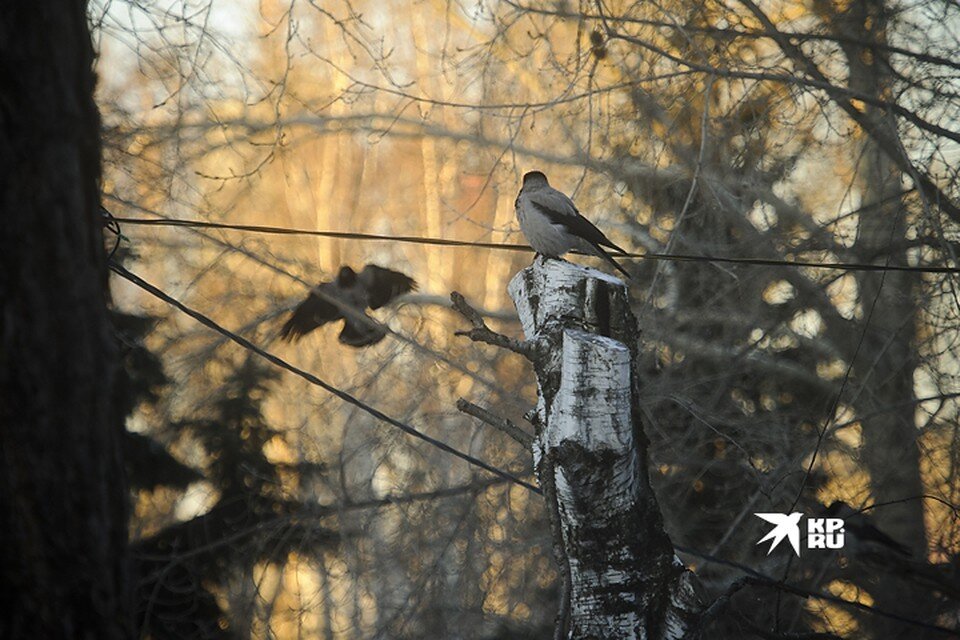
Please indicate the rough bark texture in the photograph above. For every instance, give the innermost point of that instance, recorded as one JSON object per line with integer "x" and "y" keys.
{"x": 625, "y": 581}
{"x": 62, "y": 495}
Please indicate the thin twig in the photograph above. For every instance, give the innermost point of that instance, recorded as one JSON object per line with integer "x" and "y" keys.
{"x": 497, "y": 422}
{"x": 482, "y": 333}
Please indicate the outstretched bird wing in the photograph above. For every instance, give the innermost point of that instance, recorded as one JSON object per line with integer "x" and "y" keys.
{"x": 383, "y": 285}
{"x": 313, "y": 312}
{"x": 376, "y": 286}
{"x": 373, "y": 287}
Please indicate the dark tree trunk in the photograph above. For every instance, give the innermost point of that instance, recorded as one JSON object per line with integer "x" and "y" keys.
{"x": 888, "y": 358}
{"x": 62, "y": 492}
{"x": 884, "y": 370}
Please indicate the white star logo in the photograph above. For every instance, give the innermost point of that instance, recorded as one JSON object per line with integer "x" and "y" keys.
{"x": 787, "y": 526}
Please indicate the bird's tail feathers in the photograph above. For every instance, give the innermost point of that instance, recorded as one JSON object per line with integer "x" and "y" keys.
{"x": 618, "y": 249}
{"x": 606, "y": 256}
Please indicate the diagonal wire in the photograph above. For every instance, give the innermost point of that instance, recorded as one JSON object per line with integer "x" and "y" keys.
{"x": 343, "y": 307}
{"x": 313, "y": 379}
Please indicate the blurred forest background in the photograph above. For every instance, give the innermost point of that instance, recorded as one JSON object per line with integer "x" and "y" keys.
{"x": 821, "y": 131}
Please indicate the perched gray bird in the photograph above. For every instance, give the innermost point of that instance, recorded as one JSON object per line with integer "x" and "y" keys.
{"x": 553, "y": 225}
{"x": 372, "y": 288}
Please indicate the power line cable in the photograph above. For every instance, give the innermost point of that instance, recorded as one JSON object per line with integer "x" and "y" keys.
{"x": 114, "y": 227}
{"x": 446, "y": 242}
{"x": 313, "y": 379}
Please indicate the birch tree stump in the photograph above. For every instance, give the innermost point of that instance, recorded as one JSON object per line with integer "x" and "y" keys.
{"x": 625, "y": 580}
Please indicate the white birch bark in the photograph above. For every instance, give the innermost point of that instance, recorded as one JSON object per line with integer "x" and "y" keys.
{"x": 625, "y": 580}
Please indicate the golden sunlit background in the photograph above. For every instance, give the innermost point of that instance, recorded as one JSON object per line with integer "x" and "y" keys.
{"x": 688, "y": 128}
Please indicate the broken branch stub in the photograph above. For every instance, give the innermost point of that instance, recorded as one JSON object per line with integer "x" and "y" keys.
{"x": 625, "y": 580}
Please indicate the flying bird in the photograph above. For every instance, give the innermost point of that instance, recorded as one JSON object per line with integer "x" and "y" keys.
{"x": 347, "y": 298}
{"x": 553, "y": 225}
